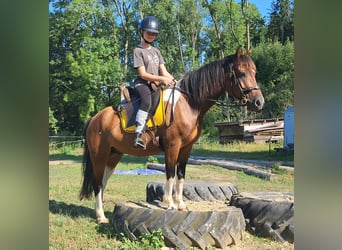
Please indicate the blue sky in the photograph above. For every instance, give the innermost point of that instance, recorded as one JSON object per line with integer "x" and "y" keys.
{"x": 264, "y": 6}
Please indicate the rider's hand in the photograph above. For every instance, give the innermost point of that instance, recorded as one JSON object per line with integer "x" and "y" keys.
{"x": 168, "y": 81}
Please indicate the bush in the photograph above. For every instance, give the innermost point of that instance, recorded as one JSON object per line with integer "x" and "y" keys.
{"x": 152, "y": 159}
{"x": 149, "y": 241}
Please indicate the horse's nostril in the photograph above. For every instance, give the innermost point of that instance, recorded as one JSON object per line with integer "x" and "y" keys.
{"x": 259, "y": 102}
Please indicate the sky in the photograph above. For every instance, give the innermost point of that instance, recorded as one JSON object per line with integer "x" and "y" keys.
{"x": 264, "y": 6}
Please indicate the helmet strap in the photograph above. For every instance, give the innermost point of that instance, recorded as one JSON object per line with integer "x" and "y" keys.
{"x": 141, "y": 33}
{"x": 147, "y": 41}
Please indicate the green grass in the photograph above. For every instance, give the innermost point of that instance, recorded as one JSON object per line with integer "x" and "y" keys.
{"x": 72, "y": 223}
{"x": 243, "y": 150}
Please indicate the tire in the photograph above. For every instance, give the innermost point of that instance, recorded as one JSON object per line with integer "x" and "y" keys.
{"x": 268, "y": 214}
{"x": 200, "y": 229}
{"x": 194, "y": 190}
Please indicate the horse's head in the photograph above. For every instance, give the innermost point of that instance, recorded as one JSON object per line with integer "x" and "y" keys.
{"x": 243, "y": 85}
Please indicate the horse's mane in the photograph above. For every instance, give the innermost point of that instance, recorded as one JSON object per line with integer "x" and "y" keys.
{"x": 204, "y": 82}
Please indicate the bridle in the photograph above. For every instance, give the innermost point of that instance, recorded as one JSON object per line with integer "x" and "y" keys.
{"x": 236, "y": 81}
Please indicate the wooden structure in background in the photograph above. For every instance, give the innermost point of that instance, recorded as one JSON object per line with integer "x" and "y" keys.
{"x": 258, "y": 130}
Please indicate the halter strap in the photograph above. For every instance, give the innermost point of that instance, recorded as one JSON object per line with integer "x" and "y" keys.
{"x": 236, "y": 80}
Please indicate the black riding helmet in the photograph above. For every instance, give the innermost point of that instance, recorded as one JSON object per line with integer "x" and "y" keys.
{"x": 149, "y": 23}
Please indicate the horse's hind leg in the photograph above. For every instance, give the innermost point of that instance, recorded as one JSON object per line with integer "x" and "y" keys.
{"x": 113, "y": 160}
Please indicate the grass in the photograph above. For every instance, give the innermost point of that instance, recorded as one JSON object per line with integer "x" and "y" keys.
{"x": 72, "y": 223}
{"x": 243, "y": 150}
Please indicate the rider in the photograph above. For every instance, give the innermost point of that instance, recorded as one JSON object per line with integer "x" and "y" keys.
{"x": 151, "y": 71}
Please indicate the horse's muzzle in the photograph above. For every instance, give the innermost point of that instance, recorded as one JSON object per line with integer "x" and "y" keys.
{"x": 256, "y": 104}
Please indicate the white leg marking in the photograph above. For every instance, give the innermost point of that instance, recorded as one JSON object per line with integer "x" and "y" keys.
{"x": 168, "y": 194}
{"x": 101, "y": 218}
{"x": 179, "y": 194}
{"x": 107, "y": 173}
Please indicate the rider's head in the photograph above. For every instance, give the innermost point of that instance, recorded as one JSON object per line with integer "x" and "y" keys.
{"x": 149, "y": 28}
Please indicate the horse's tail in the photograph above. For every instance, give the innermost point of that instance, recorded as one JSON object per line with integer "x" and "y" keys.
{"x": 87, "y": 169}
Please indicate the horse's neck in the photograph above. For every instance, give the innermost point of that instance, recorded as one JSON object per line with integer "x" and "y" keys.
{"x": 208, "y": 102}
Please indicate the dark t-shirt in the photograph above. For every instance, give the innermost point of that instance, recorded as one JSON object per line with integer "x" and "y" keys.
{"x": 150, "y": 58}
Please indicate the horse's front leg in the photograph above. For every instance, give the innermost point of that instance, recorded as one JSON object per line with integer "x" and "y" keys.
{"x": 178, "y": 202}
{"x": 167, "y": 198}
{"x": 182, "y": 161}
{"x": 179, "y": 195}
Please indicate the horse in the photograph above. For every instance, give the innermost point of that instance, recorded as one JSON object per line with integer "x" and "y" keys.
{"x": 106, "y": 141}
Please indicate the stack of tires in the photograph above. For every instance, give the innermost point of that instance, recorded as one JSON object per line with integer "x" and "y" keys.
{"x": 267, "y": 214}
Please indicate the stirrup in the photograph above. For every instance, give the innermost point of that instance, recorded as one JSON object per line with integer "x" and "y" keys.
{"x": 139, "y": 142}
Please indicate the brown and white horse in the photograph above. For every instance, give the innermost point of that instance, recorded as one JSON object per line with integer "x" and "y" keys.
{"x": 106, "y": 141}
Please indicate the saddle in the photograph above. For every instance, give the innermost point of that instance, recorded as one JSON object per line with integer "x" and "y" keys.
{"x": 129, "y": 106}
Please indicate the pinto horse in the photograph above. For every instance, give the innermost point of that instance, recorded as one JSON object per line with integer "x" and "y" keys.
{"x": 193, "y": 95}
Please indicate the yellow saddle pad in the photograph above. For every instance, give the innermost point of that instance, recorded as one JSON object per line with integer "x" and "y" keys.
{"x": 128, "y": 112}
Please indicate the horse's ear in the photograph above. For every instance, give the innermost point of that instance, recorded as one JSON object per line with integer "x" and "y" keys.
{"x": 238, "y": 52}
{"x": 249, "y": 52}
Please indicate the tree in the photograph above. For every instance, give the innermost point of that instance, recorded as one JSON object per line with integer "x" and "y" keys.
{"x": 52, "y": 123}
{"x": 275, "y": 66}
{"x": 190, "y": 12}
{"x": 84, "y": 68}
{"x": 281, "y": 26}
{"x": 128, "y": 28}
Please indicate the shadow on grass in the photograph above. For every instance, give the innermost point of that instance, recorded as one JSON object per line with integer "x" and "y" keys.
{"x": 108, "y": 230}
{"x": 73, "y": 211}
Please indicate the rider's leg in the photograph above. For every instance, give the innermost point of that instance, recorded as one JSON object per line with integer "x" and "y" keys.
{"x": 144, "y": 93}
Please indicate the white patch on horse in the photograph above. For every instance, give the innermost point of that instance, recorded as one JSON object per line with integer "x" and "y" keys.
{"x": 107, "y": 173}
{"x": 167, "y": 198}
{"x": 101, "y": 218}
{"x": 168, "y": 95}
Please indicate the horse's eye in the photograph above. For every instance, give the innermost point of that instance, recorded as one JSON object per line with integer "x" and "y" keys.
{"x": 242, "y": 74}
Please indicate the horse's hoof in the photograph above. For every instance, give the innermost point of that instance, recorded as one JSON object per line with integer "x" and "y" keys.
{"x": 102, "y": 220}
{"x": 171, "y": 207}
{"x": 182, "y": 206}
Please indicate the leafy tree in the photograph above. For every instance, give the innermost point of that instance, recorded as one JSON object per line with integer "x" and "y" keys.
{"x": 52, "y": 123}
{"x": 281, "y": 26}
{"x": 129, "y": 37}
{"x": 84, "y": 67}
{"x": 190, "y": 12}
{"x": 275, "y": 66}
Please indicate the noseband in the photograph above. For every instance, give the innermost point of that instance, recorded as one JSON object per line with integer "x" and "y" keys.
{"x": 236, "y": 81}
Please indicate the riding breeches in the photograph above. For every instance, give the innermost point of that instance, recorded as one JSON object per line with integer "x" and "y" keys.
{"x": 148, "y": 97}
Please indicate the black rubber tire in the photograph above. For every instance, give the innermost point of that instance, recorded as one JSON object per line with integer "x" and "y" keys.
{"x": 268, "y": 214}
{"x": 195, "y": 190}
{"x": 181, "y": 229}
